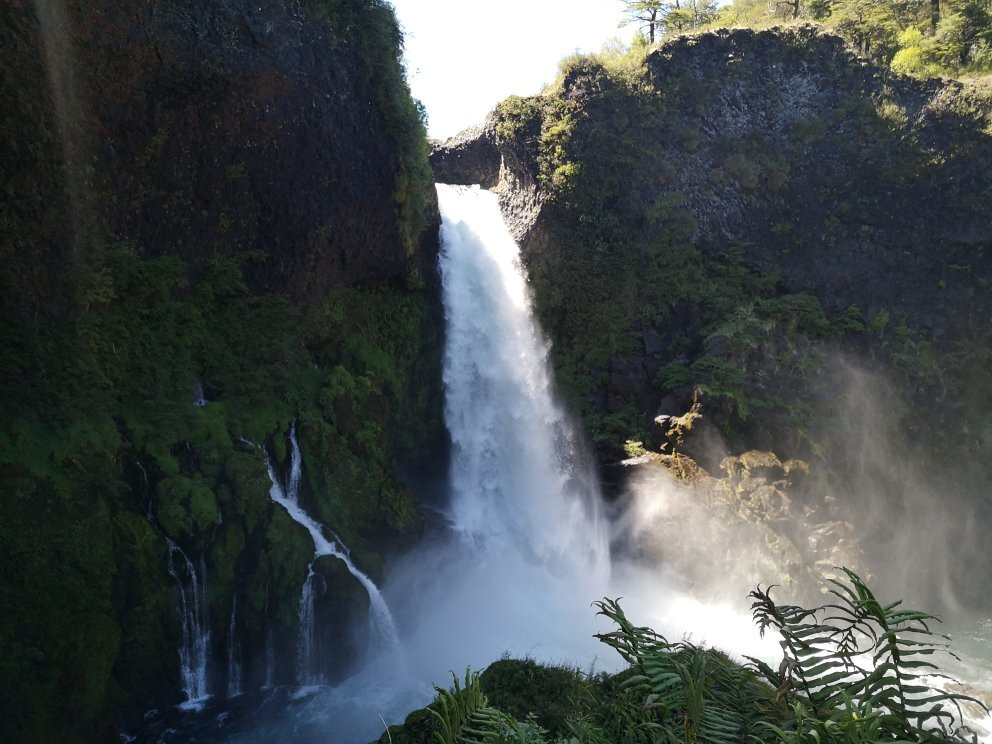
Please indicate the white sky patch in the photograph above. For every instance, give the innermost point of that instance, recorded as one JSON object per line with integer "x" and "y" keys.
{"x": 465, "y": 56}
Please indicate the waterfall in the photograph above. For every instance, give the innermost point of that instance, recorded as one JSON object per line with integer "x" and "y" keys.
{"x": 308, "y": 671}
{"x": 381, "y": 623}
{"x": 518, "y": 473}
{"x": 194, "y": 647}
{"x": 529, "y": 546}
{"x": 233, "y": 653}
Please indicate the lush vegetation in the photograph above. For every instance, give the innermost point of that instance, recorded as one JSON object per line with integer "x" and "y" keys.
{"x": 137, "y": 380}
{"x": 852, "y": 672}
{"x": 916, "y": 37}
{"x": 95, "y": 438}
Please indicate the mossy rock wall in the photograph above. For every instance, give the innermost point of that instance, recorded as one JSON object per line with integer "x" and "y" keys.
{"x": 201, "y": 207}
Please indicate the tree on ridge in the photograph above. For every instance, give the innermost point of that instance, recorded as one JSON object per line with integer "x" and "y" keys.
{"x": 659, "y": 16}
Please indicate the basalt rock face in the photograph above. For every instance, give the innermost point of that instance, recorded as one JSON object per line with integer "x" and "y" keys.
{"x": 215, "y": 220}
{"x": 198, "y": 131}
{"x": 847, "y": 181}
{"x": 466, "y": 159}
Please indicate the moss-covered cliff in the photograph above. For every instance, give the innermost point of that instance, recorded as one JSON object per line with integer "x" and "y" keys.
{"x": 215, "y": 219}
{"x": 763, "y": 218}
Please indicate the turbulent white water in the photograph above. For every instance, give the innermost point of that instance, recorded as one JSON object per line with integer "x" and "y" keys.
{"x": 194, "y": 648}
{"x": 529, "y": 550}
{"x": 518, "y": 477}
{"x": 381, "y": 623}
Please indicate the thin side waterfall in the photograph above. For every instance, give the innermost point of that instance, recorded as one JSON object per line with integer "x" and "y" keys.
{"x": 233, "y": 653}
{"x": 381, "y": 623}
{"x": 308, "y": 669}
{"x": 194, "y": 648}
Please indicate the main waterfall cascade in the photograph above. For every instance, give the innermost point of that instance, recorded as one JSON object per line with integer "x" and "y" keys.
{"x": 518, "y": 474}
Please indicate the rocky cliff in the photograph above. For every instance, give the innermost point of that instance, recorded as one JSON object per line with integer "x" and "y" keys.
{"x": 766, "y": 223}
{"x": 215, "y": 220}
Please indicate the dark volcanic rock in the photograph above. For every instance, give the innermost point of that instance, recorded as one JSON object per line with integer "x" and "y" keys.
{"x": 467, "y": 158}
{"x": 196, "y": 130}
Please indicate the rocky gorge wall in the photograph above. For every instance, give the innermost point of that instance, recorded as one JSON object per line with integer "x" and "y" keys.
{"x": 766, "y": 226}
{"x": 215, "y": 220}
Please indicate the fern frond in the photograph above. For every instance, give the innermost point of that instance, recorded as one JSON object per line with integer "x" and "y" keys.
{"x": 860, "y": 666}
{"x": 464, "y": 716}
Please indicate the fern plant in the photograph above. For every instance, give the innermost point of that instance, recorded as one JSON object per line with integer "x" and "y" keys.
{"x": 690, "y": 693}
{"x": 464, "y": 716}
{"x": 860, "y": 666}
{"x": 854, "y": 670}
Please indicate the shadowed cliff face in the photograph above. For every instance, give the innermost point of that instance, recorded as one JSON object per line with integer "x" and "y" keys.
{"x": 215, "y": 219}
{"x": 854, "y": 184}
{"x": 218, "y": 130}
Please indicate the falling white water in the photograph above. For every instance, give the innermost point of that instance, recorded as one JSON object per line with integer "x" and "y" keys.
{"x": 233, "y": 653}
{"x": 381, "y": 622}
{"x": 532, "y": 551}
{"x": 529, "y": 553}
{"x": 518, "y": 475}
{"x": 194, "y": 646}
{"x": 307, "y": 665}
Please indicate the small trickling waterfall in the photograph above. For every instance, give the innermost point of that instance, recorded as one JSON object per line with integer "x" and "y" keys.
{"x": 233, "y": 652}
{"x": 191, "y": 594}
{"x": 308, "y": 668}
{"x": 194, "y": 648}
{"x": 381, "y": 623}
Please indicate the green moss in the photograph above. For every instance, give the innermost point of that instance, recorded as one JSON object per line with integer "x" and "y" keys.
{"x": 248, "y": 488}
{"x": 288, "y": 551}
{"x": 96, "y": 641}
{"x": 524, "y": 687}
{"x": 98, "y": 424}
{"x": 515, "y": 116}
{"x": 224, "y": 554}
{"x": 185, "y": 507}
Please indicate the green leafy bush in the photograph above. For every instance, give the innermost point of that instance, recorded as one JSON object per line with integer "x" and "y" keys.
{"x": 852, "y": 672}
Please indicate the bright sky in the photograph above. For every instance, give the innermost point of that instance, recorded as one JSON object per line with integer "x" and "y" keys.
{"x": 465, "y": 56}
